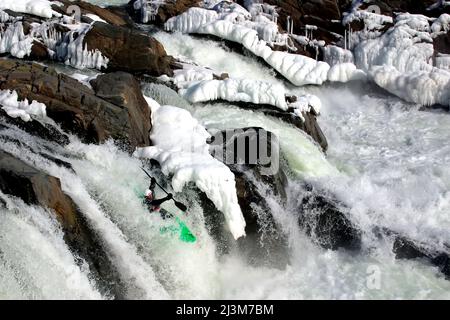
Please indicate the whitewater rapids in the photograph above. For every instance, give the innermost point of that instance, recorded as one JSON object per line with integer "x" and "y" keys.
{"x": 386, "y": 160}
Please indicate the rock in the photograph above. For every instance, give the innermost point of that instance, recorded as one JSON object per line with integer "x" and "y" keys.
{"x": 112, "y": 15}
{"x": 264, "y": 239}
{"x": 77, "y": 108}
{"x": 39, "y": 52}
{"x": 309, "y": 125}
{"x": 129, "y": 50}
{"x": 165, "y": 12}
{"x": 35, "y": 187}
{"x": 42, "y": 130}
{"x": 407, "y": 249}
{"x": 323, "y": 218}
{"x": 123, "y": 90}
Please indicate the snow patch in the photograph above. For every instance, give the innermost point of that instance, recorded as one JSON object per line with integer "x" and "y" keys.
{"x": 244, "y": 90}
{"x": 9, "y": 101}
{"x": 41, "y": 8}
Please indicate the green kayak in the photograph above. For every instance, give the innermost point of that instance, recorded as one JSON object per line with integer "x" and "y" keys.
{"x": 177, "y": 227}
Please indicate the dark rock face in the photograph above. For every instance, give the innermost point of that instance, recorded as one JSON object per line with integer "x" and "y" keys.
{"x": 407, "y": 249}
{"x": 441, "y": 43}
{"x": 123, "y": 90}
{"x": 310, "y": 125}
{"x": 129, "y": 50}
{"x": 324, "y": 220}
{"x": 77, "y": 108}
{"x": 35, "y": 187}
{"x": 263, "y": 236}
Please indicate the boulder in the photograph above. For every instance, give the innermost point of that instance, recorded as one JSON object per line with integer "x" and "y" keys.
{"x": 123, "y": 90}
{"x": 36, "y": 187}
{"x": 129, "y": 50}
{"x": 119, "y": 112}
{"x": 405, "y": 248}
{"x": 308, "y": 124}
{"x": 323, "y": 218}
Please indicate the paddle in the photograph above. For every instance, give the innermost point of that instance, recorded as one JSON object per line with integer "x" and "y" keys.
{"x": 179, "y": 205}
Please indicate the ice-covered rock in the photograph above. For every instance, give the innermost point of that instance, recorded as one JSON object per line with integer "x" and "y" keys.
{"x": 422, "y": 86}
{"x": 298, "y": 69}
{"x": 9, "y": 102}
{"x": 235, "y": 90}
{"x": 441, "y": 24}
{"x": 41, "y": 8}
{"x": 14, "y": 41}
{"x": 179, "y": 145}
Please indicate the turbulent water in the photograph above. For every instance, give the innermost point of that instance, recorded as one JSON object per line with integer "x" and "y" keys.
{"x": 386, "y": 162}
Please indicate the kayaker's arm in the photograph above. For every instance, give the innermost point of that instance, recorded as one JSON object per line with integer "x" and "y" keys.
{"x": 158, "y": 202}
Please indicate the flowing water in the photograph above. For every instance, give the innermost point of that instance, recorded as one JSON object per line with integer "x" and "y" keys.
{"x": 386, "y": 162}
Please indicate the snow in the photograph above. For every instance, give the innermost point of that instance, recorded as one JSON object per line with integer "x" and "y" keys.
{"x": 181, "y": 149}
{"x": 191, "y": 73}
{"x": 344, "y": 72}
{"x": 300, "y": 70}
{"x": 191, "y": 20}
{"x": 306, "y": 103}
{"x": 244, "y": 90}
{"x": 334, "y": 55}
{"x": 13, "y": 41}
{"x": 41, "y": 8}
{"x": 441, "y": 24}
{"x": 9, "y": 102}
{"x": 414, "y": 21}
{"x": 424, "y": 87}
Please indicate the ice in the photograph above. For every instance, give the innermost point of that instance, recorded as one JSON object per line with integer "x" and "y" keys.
{"x": 244, "y": 90}
{"x": 9, "y": 102}
{"x": 41, "y": 8}
{"x": 13, "y": 41}
{"x": 441, "y": 24}
{"x": 179, "y": 145}
{"x": 298, "y": 69}
{"x": 344, "y": 72}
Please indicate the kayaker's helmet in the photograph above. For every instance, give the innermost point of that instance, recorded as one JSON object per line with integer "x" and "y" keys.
{"x": 149, "y": 194}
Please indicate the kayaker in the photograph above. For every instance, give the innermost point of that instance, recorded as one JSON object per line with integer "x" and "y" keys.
{"x": 152, "y": 203}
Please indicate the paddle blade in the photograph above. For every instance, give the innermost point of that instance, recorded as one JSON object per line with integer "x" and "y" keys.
{"x": 180, "y": 206}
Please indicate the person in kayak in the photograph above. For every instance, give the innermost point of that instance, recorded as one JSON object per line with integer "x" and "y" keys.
{"x": 152, "y": 203}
